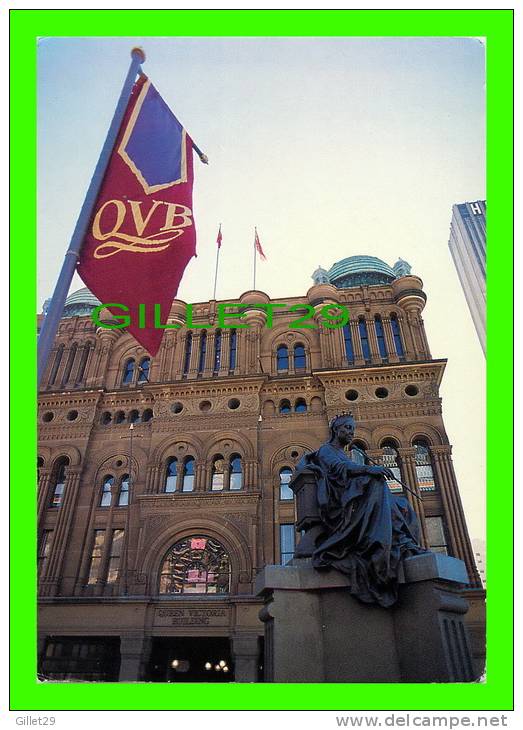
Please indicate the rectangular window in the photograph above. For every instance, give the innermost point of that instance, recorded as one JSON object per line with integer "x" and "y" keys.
{"x": 44, "y": 550}
{"x": 287, "y": 543}
{"x": 113, "y": 568}
{"x": 96, "y": 556}
{"x": 436, "y": 534}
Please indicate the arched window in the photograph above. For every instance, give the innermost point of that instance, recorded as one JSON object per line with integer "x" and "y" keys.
{"x": 396, "y": 333}
{"x": 364, "y": 338}
{"x": 188, "y": 474}
{"x": 59, "y": 482}
{"x": 106, "y": 418}
{"x": 39, "y": 465}
{"x": 188, "y": 350}
{"x": 300, "y": 361}
{"x": 380, "y": 334}
{"x": 232, "y": 349}
{"x": 119, "y": 417}
{"x": 83, "y": 363}
{"x": 424, "y": 472}
{"x": 171, "y": 475}
{"x": 300, "y": 406}
{"x": 355, "y": 453}
{"x": 143, "y": 370}
{"x": 285, "y": 406}
{"x": 391, "y": 461}
{"x": 235, "y": 472}
{"x": 147, "y": 415}
{"x": 203, "y": 351}
{"x": 347, "y": 339}
{"x": 56, "y": 364}
{"x": 123, "y": 497}
{"x": 217, "y": 352}
{"x": 197, "y": 564}
{"x": 282, "y": 358}
{"x": 285, "y": 477}
{"x": 134, "y": 417}
{"x": 128, "y": 372}
{"x": 70, "y": 361}
{"x": 106, "y": 498}
{"x": 218, "y": 473}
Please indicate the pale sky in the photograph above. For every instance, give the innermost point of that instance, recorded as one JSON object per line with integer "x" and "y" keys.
{"x": 332, "y": 147}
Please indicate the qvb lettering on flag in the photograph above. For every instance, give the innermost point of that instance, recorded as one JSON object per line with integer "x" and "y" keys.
{"x": 142, "y": 234}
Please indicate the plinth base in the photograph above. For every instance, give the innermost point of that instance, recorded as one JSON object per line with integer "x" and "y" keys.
{"x": 315, "y": 631}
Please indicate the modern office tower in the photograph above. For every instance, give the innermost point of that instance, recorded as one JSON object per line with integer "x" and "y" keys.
{"x": 151, "y": 537}
{"x": 467, "y": 243}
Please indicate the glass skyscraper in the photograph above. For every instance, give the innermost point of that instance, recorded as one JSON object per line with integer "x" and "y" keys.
{"x": 467, "y": 245}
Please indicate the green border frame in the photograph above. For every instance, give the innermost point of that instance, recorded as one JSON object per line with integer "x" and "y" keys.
{"x": 497, "y": 27}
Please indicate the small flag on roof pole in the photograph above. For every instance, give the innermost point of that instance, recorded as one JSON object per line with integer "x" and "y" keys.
{"x": 142, "y": 234}
{"x": 218, "y": 247}
{"x": 257, "y": 244}
{"x": 257, "y": 249}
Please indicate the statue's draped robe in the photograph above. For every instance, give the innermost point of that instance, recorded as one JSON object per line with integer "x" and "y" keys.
{"x": 368, "y": 530}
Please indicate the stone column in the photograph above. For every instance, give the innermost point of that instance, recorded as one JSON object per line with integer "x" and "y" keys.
{"x": 132, "y": 650}
{"x": 389, "y": 339}
{"x": 447, "y": 510}
{"x": 179, "y": 355}
{"x": 245, "y": 653}
{"x": 463, "y": 545}
{"x": 107, "y": 338}
{"x": 61, "y": 532}
{"x": 200, "y": 477}
{"x": 408, "y": 465}
{"x": 151, "y": 479}
{"x": 195, "y": 355}
{"x": 224, "y": 359}
{"x": 423, "y": 338}
{"x": 407, "y": 337}
{"x": 373, "y": 340}
{"x": 209, "y": 354}
{"x": 43, "y": 492}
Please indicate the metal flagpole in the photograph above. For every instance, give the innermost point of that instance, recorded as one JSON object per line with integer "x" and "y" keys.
{"x": 254, "y": 252}
{"x": 216, "y": 270}
{"x": 54, "y": 313}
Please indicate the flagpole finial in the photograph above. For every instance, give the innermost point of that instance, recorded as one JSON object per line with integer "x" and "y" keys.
{"x": 138, "y": 53}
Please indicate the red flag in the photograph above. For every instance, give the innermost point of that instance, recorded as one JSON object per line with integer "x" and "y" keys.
{"x": 219, "y": 238}
{"x": 142, "y": 235}
{"x": 258, "y": 247}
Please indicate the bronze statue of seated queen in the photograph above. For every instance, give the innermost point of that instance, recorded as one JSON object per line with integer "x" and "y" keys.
{"x": 364, "y": 530}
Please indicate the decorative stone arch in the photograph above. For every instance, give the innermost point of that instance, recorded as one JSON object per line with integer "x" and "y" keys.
{"x": 282, "y": 335}
{"x": 44, "y": 453}
{"x": 166, "y": 448}
{"x": 282, "y": 456}
{"x": 216, "y": 528}
{"x": 392, "y": 432}
{"x": 95, "y": 472}
{"x": 364, "y": 435}
{"x": 124, "y": 349}
{"x": 424, "y": 430}
{"x": 71, "y": 452}
{"x": 245, "y": 447}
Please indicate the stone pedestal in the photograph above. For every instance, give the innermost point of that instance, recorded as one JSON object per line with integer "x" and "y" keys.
{"x": 134, "y": 651}
{"x": 315, "y": 631}
{"x": 245, "y": 651}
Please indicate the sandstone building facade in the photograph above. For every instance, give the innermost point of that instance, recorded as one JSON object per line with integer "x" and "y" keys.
{"x": 163, "y": 482}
